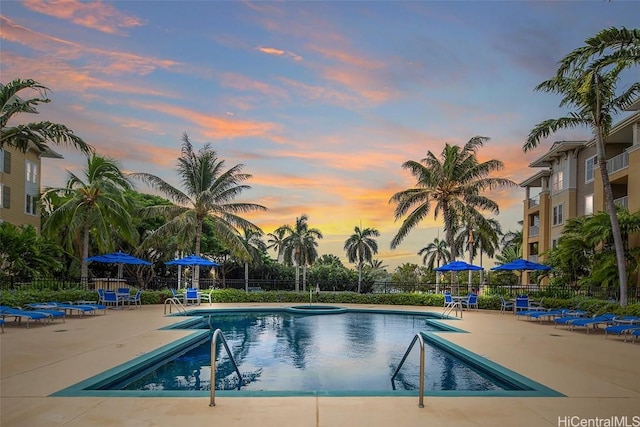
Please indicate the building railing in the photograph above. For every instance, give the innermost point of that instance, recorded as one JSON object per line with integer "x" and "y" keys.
{"x": 534, "y": 230}
{"x": 534, "y": 201}
{"x": 622, "y": 201}
{"x": 533, "y": 258}
{"x": 618, "y": 162}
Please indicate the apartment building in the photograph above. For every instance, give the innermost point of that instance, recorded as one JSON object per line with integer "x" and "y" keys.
{"x": 20, "y": 184}
{"x": 568, "y": 184}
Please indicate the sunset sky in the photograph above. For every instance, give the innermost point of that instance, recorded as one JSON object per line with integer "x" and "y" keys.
{"x": 321, "y": 101}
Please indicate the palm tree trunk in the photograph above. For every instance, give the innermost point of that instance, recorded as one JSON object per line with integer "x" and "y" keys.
{"x": 246, "y": 277}
{"x": 84, "y": 270}
{"x": 359, "y": 275}
{"x": 304, "y": 277}
{"x": 615, "y": 224}
{"x": 608, "y": 193}
{"x": 196, "y": 268}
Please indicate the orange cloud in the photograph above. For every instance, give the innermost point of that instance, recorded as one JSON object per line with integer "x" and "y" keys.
{"x": 95, "y": 15}
{"x": 214, "y": 127}
{"x": 279, "y": 52}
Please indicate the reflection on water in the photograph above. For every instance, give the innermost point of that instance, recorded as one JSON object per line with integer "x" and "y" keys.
{"x": 348, "y": 351}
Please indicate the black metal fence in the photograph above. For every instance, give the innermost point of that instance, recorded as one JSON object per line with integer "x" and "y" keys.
{"x": 609, "y": 294}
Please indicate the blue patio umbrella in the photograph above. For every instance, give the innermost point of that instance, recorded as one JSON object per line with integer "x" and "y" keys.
{"x": 193, "y": 260}
{"x": 522, "y": 265}
{"x": 118, "y": 258}
{"x": 458, "y": 266}
{"x": 455, "y": 266}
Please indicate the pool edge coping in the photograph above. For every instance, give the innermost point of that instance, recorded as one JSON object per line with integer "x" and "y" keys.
{"x": 80, "y": 389}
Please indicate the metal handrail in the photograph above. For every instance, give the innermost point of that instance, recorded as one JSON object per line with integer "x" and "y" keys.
{"x": 417, "y": 337}
{"x": 448, "y": 309}
{"x": 174, "y": 302}
{"x": 218, "y": 334}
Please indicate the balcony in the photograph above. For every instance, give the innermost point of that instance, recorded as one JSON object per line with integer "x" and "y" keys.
{"x": 534, "y": 230}
{"x": 622, "y": 201}
{"x": 618, "y": 162}
{"x": 533, "y": 258}
{"x": 534, "y": 201}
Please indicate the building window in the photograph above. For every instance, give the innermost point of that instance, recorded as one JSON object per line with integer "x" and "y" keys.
{"x": 5, "y": 161}
{"x": 557, "y": 183}
{"x": 557, "y": 214}
{"x": 5, "y": 196}
{"x": 30, "y": 205}
{"x": 588, "y": 204}
{"x": 589, "y": 168}
{"x": 31, "y": 172}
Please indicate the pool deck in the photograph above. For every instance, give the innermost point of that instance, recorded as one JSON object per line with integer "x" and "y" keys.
{"x": 599, "y": 377}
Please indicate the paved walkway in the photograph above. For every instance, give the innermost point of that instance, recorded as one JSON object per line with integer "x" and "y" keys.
{"x": 601, "y": 379}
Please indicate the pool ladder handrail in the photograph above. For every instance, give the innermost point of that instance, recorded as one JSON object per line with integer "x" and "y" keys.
{"x": 218, "y": 334}
{"x": 455, "y": 306}
{"x": 175, "y": 302}
{"x": 417, "y": 337}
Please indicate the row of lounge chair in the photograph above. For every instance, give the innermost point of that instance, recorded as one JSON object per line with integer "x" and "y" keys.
{"x": 46, "y": 312}
{"x": 626, "y": 326}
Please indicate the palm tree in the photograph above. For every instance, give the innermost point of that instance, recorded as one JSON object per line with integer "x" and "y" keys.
{"x": 377, "y": 264}
{"x": 91, "y": 206}
{"x": 450, "y": 186}
{"x": 40, "y": 133}
{"x": 511, "y": 238}
{"x": 300, "y": 245}
{"x": 586, "y": 84}
{"x": 435, "y": 253}
{"x": 255, "y": 247}
{"x": 275, "y": 242}
{"x": 209, "y": 192}
{"x": 360, "y": 248}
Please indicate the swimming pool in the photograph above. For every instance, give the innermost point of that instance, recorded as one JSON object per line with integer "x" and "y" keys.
{"x": 281, "y": 352}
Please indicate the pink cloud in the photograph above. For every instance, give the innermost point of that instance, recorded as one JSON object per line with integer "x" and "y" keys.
{"x": 95, "y": 15}
{"x": 59, "y": 75}
{"x": 103, "y": 61}
{"x": 240, "y": 82}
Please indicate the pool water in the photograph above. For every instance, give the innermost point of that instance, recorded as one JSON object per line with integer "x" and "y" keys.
{"x": 281, "y": 351}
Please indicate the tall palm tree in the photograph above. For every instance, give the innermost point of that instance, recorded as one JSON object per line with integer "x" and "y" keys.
{"x": 300, "y": 245}
{"x": 451, "y": 185}
{"x": 91, "y": 206}
{"x": 38, "y": 133}
{"x": 360, "y": 248}
{"x": 435, "y": 254}
{"x": 209, "y": 192}
{"x": 255, "y": 247}
{"x": 587, "y": 80}
{"x": 275, "y": 241}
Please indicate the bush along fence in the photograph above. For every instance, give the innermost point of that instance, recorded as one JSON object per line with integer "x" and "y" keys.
{"x": 160, "y": 284}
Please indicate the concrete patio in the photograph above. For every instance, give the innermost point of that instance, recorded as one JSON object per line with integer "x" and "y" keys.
{"x": 600, "y": 378}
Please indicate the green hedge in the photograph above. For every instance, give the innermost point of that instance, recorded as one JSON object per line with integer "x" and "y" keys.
{"x": 485, "y": 302}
